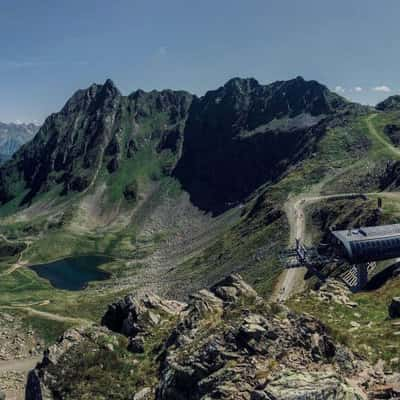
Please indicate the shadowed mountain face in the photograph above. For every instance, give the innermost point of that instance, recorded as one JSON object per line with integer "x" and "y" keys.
{"x": 13, "y": 136}
{"x": 221, "y": 147}
{"x": 245, "y": 134}
{"x": 392, "y": 103}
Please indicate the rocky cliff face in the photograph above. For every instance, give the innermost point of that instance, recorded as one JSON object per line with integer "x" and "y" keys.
{"x": 245, "y": 134}
{"x": 221, "y": 147}
{"x": 97, "y": 130}
{"x": 226, "y": 343}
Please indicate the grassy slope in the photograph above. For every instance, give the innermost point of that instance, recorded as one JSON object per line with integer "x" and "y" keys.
{"x": 249, "y": 246}
{"x": 342, "y": 149}
{"x": 377, "y": 336}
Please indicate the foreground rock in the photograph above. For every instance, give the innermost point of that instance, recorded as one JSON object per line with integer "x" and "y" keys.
{"x": 394, "y": 308}
{"x": 335, "y": 291}
{"x": 226, "y": 343}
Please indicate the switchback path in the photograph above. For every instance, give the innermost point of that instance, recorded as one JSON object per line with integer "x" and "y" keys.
{"x": 292, "y": 279}
{"x": 23, "y": 365}
{"x": 48, "y": 315}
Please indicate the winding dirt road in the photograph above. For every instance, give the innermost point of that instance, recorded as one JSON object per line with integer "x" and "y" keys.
{"x": 24, "y": 365}
{"x": 292, "y": 279}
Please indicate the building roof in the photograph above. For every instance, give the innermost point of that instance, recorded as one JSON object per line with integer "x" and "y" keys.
{"x": 371, "y": 243}
{"x": 368, "y": 233}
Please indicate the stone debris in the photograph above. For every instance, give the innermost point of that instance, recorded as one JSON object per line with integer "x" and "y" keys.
{"x": 228, "y": 343}
{"x": 17, "y": 342}
{"x": 335, "y": 291}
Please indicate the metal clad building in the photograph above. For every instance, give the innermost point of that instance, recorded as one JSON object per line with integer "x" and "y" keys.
{"x": 370, "y": 244}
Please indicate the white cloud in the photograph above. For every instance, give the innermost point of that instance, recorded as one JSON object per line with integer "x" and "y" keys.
{"x": 358, "y": 89}
{"x": 383, "y": 88}
{"x": 340, "y": 89}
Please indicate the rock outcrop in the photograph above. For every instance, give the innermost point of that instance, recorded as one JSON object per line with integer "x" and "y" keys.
{"x": 135, "y": 317}
{"x": 394, "y": 308}
{"x": 226, "y": 343}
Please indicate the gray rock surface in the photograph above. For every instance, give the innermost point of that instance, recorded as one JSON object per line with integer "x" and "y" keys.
{"x": 226, "y": 343}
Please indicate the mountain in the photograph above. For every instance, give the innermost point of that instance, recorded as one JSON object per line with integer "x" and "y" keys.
{"x": 390, "y": 104}
{"x": 245, "y": 134}
{"x": 221, "y": 147}
{"x": 97, "y": 129}
{"x": 175, "y": 192}
{"x": 13, "y": 136}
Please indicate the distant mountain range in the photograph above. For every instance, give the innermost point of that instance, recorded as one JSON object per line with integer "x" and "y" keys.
{"x": 13, "y": 136}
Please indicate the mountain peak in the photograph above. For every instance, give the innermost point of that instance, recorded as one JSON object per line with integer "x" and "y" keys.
{"x": 96, "y": 93}
{"x": 240, "y": 82}
{"x": 390, "y": 104}
{"x": 110, "y": 87}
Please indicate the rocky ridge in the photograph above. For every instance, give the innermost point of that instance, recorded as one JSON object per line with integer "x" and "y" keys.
{"x": 226, "y": 343}
{"x": 95, "y": 132}
{"x": 220, "y": 147}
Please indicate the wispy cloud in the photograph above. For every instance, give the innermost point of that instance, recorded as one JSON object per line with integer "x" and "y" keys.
{"x": 383, "y": 88}
{"x": 358, "y": 89}
{"x": 37, "y": 63}
{"x": 340, "y": 89}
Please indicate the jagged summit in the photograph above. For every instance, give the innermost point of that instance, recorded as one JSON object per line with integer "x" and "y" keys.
{"x": 291, "y": 97}
{"x": 95, "y": 93}
{"x": 241, "y": 84}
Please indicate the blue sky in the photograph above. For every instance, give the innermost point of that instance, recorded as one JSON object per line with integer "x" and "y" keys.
{"x": 48, "y": 49}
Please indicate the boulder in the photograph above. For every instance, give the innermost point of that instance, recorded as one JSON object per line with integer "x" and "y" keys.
{"x": 292, "y": 385}
{"x": 394, "y": 308}
{"x": 143, "y": 394}
{"x": 136, "y": 345}
{"x": 232, "y": 288}
{"x": 133, "y": 315}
